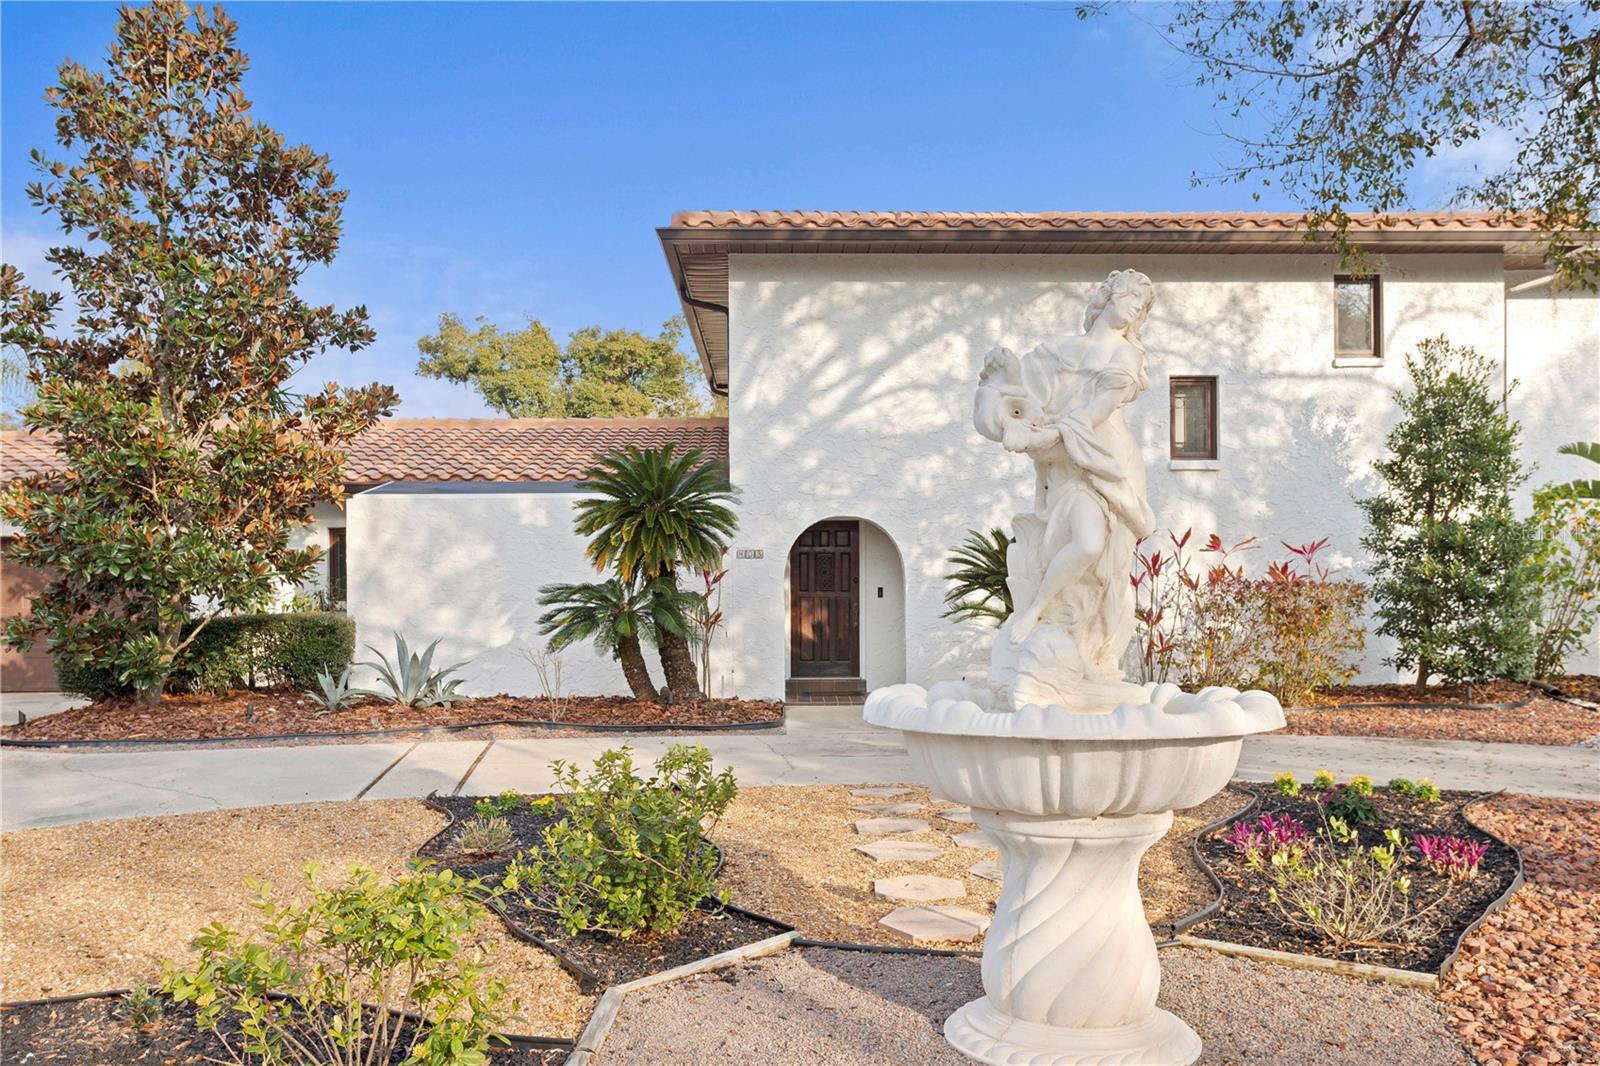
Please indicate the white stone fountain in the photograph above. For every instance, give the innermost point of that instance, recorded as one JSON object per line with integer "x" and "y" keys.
{"x": 1073, "y": 770}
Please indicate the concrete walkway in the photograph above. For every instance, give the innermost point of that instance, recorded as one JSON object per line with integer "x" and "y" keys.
{"x": 822, "y": 745}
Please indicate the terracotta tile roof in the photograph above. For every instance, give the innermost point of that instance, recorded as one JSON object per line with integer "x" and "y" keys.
{"x": 1277, "y": 221}
{"x": 459, "y": 449}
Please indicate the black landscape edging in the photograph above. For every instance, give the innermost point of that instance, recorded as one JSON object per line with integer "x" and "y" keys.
{"x": 1500, "y": 900}
{"x": 433, "y": 730}
{"x": 1449, "y": 960}
{"x": 522, "y": 1040}
{"x": 1182, "y": 925}
{"x": 1514, "y": 705}
{"x": 885, "y": 949}
{"x": 587, "y": 978}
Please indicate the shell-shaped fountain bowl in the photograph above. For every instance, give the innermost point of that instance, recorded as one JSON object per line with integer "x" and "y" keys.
{"x": 1173, "y": 750}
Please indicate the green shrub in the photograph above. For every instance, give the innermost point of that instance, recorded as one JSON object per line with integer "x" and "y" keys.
{"x": 298, "y": 997}
{"x": 1349, "y": 804}
{"x": 91, "y": 681}
{"x": 628, "y": 854}
{"x": 254, "y": 650}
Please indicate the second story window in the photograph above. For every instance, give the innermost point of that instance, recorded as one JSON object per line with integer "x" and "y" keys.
{"x": 1194, "y": 418}
{"x": 1357, "y": 318}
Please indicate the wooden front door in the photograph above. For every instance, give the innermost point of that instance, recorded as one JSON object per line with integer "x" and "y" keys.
{"x": 23, "y": 671}
{"x": 824, "y": 601}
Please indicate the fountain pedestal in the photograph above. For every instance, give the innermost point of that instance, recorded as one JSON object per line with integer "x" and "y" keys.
{"x": 1070, "y": 972}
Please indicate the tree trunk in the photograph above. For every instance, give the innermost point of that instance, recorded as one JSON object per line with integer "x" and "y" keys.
{"x": 677, "y": 662}
{"x": 636, "y": 670}
{"x": 150, "y": 695}
{"x": 1424, "y": 671}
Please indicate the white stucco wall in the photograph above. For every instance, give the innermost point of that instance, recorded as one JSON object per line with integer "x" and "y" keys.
{"x": 1553, "y": 354}
{"x": 466, "y": 567}
{"x": 850, "y": 392}
{"x": 323, "y": 517}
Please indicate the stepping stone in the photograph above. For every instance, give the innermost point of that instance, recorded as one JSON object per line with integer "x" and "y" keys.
{"x": 934, "y": 923}
{"x": 988, "y": 869}
{"x": 975, "y": 839}
{"x": 958, "y": 814}
{"x": 880, "y": 793}
{"x": 869, "y": 826}
{"x": 899, "y": 851}
{"x": 918, "y": 888}
{"x": 888, "y": 808}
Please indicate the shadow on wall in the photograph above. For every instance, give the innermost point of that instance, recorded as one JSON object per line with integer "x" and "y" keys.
{"x": 852, "y": 382}
{"x": 465, "y": 568}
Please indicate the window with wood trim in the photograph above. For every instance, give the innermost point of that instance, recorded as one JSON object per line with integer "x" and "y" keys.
{"x": 337, "y": 583}
{"x": 1357, "y": 317}
{"x": 1193, "y": 418}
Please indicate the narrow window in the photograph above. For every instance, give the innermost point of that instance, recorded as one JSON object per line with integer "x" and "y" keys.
{"x": 1357, "y": 322}
{"x": 1194, "y": 418}
{"x": 336, "y": 565}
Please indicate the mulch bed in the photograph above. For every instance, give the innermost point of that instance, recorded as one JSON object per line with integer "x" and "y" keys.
{"x": 1248, "y": 917}
{"x": 266, "y": 712}
{"x": 1526, "y": 986}
{"x": 609, "y": 958}
{"x": 1543, "y": 721}
{"x": 1581, "y": 686}
{"x": 1478, "y": 692}
{"x": 90, "y": 1031}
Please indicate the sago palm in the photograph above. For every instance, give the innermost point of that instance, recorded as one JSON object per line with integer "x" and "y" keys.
{"x": 650, "y": 513}
{"x": 615, "y": 617}
{"x": 1583, "y": 488}
{"x": 978, "y": 586}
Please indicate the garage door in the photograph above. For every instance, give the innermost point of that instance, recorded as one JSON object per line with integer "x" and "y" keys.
{"x": 28, "y": 671}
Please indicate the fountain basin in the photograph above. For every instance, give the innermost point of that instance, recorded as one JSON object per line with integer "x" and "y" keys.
{"x": 1072, "y": 800}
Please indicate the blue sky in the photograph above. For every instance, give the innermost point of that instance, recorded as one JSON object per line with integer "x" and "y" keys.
{"x": 514, "y": 159}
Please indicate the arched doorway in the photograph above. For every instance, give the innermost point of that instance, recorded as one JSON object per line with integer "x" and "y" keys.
{"x": 846, "y": 617}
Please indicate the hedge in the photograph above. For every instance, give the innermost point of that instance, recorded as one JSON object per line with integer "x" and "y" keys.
{"x": 255, "y": 650}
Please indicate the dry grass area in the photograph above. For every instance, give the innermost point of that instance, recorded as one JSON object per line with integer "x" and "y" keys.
{"x": 102, "y": 904}
{"x": 791, "y": 854}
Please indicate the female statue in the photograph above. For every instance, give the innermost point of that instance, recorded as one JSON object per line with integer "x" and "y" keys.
{"x": 1069, "y": 565}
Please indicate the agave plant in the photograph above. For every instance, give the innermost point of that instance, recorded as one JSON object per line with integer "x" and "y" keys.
{"x": 978, "y": 586}
{"x": 411, "y": 679}
{"x": 336, "y": 694}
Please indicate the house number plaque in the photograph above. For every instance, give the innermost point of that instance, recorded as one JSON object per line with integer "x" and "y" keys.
{"x": 750, "y": 553}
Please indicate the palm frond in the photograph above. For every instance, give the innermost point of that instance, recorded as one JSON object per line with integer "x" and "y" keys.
{"x": 978, "y": 586}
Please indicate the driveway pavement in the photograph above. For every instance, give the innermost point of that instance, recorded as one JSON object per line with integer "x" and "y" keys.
{"x": 822, "y": 745}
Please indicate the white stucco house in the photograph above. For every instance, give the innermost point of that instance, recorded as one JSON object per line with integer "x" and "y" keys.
{"x": 848, "y": 347}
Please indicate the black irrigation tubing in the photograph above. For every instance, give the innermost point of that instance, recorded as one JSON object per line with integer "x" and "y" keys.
{"x": 522, "y": 1040}
{"x": 435, "y": 730}
{"x": 1189, "y": 921}
{"x": 1556, "y": 692}
{"x": 587, "y": 978}
{"x": 1499, "y": 901}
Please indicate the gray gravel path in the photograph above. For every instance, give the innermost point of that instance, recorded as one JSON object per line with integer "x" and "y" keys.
{"x": 857, "y": 1009}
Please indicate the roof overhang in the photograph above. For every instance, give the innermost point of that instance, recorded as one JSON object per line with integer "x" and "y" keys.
{"x": 697, "y": 245}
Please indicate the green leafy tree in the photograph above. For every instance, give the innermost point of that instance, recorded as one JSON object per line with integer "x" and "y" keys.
{"x": 619, "y": 618}
{"x": 650, "y": 514}
{"x": 523, "y": 373}
{"x": 1451, "y": 579}
{"x": 1337, "y": 103}
{"x": 188, "y": 460}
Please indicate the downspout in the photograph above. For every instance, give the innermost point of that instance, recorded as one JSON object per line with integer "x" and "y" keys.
{"x": 1505, "y": 332}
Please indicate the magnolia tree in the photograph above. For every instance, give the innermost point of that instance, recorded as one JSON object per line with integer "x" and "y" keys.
{"x": 188, "y": 459}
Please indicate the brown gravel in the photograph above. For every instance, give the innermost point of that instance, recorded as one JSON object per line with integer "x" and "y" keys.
{"x": 187, "y": 716}
{"x": 858, "y": 1009}
{"x": 1526, "y": 987}
{"x": 102, "y": 904}
{"x": 1544, "y": 721}
{"x": 791, "y": 854}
